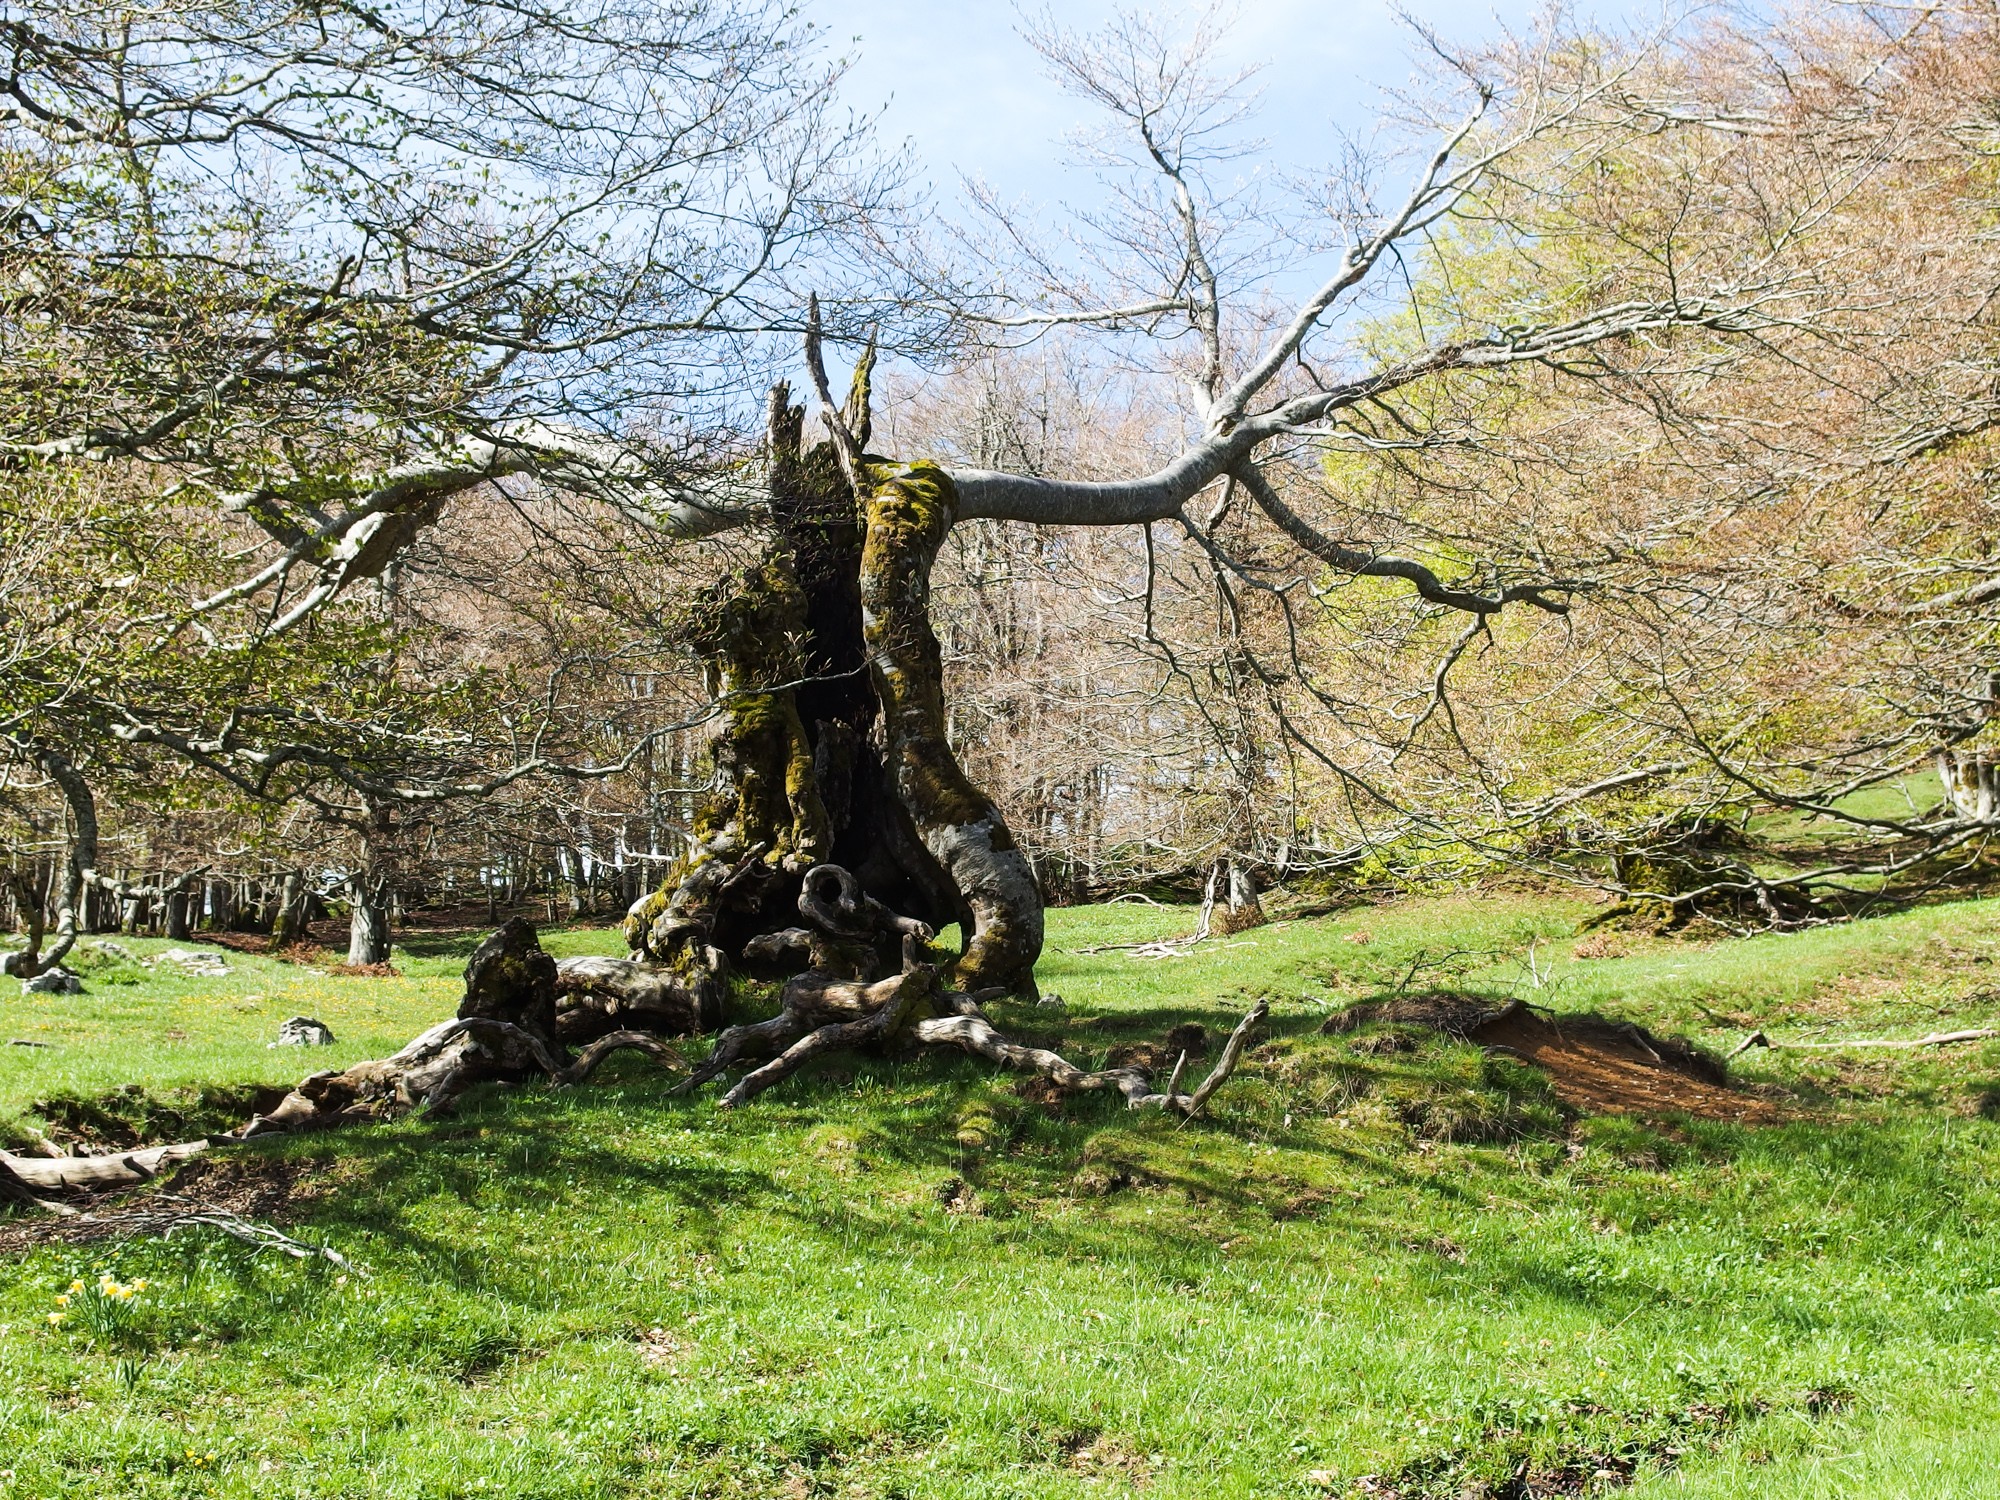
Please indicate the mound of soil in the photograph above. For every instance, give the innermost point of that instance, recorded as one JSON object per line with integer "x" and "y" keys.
{"x": 1596, "y": 1065}
{"x": 128, "y": 1118}
{"x": 1444, "y": 1011}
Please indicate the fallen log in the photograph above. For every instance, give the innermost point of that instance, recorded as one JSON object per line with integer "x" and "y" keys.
{"x": 97, "y": 1173}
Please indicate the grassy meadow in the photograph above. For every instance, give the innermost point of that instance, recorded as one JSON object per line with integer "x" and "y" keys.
{"x": 1384, "y": 1265}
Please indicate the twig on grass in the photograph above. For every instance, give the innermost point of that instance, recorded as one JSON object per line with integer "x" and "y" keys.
{"x": 1935, "y": 1039}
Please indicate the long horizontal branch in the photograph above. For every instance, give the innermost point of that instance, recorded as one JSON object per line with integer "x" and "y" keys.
{"x": 1380, "y": 565}
{"x": 990, "y": 495}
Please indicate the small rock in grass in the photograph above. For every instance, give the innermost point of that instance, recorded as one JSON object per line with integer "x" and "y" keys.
{"x": 57, "y": 981}
{"x": 303, "y": 1031}
{"x": 207, "y": 965}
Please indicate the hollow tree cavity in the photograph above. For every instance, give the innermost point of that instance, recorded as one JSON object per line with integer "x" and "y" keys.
{"x": 833, "y": 747}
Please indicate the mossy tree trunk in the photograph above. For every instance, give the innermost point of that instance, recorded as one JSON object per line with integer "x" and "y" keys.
{"x": 833, "y": 748}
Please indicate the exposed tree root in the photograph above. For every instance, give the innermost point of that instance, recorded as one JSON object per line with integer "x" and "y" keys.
{"x": 838, "y": 1004}
{"x": 505, "y": 1032}
{"x": 596, "y": 996}
{"x": 975, "y": 1034}
{"x": 510, "y": 1029}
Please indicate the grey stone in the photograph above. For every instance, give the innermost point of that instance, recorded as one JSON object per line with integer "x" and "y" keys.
{"x": 303, "y": 1031}
{"x": 57, "y": 981}
{"x": 205, "y": 965}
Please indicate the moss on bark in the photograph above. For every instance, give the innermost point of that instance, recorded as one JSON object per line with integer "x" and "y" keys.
{"x": 815, "y": 651}
{"x": 905, "y": 517}
{"x": 749, "y": 634}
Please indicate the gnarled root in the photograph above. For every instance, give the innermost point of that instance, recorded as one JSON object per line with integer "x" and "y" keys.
{"x": 505, "y": 1032}
{"x": 977, "y": 1035}
{"x": 832, "y": 1006}
{"x": 596, "y": 996}
{"x": 891, "y": 999}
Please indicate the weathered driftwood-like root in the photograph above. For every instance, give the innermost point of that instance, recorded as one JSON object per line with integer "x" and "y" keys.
{"x": 798, "y": 1035}
{"x": 99, "y": 1173}
{"x": 505, "y": 1032}
{"x": 596, "y": 996}
{"x": 977, "y": 1035}
{"x": 813, "y": 1002}
{"x": 904, "y": 991}
{"x": 16, "y": 1189}
{"x": 1935, "y": 1039}
{"x": 833, "y": 1006}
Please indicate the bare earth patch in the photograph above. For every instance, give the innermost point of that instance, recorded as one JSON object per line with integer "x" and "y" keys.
{"x": 1604, "y": 1068}
{"x": 1595, "y": 1065}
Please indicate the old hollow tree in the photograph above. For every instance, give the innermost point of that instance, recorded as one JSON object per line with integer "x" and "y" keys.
{"x": 844, "y": 833}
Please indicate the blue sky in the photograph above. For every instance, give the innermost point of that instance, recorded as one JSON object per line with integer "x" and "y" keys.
{"x": 958, "y": 83}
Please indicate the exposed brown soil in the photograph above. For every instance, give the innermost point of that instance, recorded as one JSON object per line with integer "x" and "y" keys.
{"x": 1595, "y": 1065}
{"x": 1598, "y": 1066}
{"x": 1045, "y": 1092}
{"x": 1445, "y": 1011}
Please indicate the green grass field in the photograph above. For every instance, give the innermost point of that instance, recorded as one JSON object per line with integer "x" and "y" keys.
{"x": 903, "y": 1278}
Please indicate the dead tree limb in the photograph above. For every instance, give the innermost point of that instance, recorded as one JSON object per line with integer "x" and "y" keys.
{"x": 1935, "y": 1039}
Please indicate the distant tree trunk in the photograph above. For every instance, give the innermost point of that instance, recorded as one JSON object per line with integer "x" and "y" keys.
{"x": 221, "y": 905}
{"x": 1245, "y": 910}
{"x": 367, "y": 932}
{"x": 79, "y": 874}
{"x": 1971, "y": 783}
{"x": 289, "y": 923}
{"x": 834, "y": 745}
{"x": 369, "y": 887}
{"x": 1971, "y": 776}
{"x": 177, "y": 924}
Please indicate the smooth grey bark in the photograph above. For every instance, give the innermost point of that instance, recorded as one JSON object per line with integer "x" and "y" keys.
{"x": 80, "y": 866}
{"x": 367, "y": 930}
{"x": 291, "y": 917}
